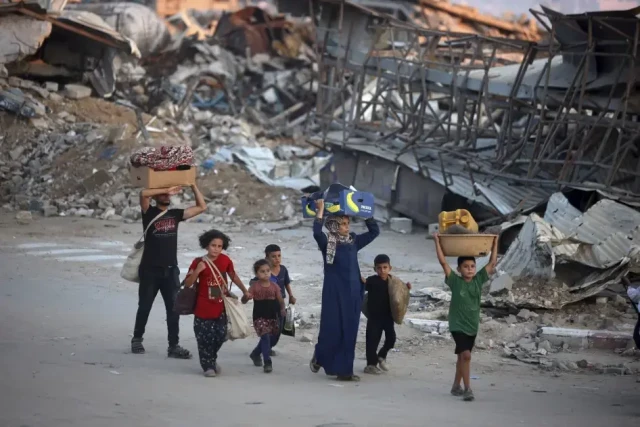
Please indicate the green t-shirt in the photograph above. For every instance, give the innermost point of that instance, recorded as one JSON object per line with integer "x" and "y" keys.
{"x": 464, "y": 310}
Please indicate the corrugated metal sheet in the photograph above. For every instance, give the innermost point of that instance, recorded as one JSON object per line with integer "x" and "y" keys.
{"x": 495, "y": 193}
{"x": 561, "y": 214}
{"x": 601, "y": 237}
{"x": 92, "y": 23}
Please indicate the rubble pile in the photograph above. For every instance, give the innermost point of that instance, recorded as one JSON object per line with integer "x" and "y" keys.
{"x": 64, "y": 151}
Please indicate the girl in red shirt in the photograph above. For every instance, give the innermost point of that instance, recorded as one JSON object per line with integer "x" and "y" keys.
{"x": 212, "y": 273}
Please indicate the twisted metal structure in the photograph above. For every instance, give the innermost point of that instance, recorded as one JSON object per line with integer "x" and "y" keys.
{"x": 505, "y": 122}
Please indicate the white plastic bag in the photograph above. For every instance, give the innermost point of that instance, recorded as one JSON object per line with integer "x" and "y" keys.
{"x": 132, "y": 263}
{"x": 238, "y": 324}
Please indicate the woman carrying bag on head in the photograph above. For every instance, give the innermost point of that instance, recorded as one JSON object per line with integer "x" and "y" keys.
{"x": 342, "y": 293}
{"x": 210, "y": 320}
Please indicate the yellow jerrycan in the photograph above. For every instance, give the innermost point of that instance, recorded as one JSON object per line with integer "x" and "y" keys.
{"x": 460, "y": 217}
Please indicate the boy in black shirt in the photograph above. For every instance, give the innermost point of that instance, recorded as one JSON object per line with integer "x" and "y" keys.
{"x": 379, "y": 316}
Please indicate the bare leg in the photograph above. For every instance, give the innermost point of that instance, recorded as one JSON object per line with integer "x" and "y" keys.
{"x": 466, "y": 369}
{"x": 458, "y": 378}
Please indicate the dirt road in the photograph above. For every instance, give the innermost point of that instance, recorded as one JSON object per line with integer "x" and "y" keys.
{"x": 66, "y": 321}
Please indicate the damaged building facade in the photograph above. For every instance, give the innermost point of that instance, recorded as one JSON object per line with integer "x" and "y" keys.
{"x": 501, "y": 123}
{"x": 539, "y": 138}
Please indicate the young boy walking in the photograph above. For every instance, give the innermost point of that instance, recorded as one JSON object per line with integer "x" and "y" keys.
{"x": 464, "y": 310}
{"x": 379, "y": 318}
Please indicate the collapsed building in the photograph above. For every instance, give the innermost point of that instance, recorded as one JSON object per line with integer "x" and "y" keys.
{"x": 430, "y": 121}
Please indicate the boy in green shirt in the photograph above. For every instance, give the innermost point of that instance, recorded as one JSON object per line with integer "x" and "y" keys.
{"x": 464, "y": 310}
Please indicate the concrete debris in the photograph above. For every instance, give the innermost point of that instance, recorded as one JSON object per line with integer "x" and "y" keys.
{"x": 436, "y": 294}
{"x": 73, "y": 91}
{"x": 543, "y": 258}
{"x": 24, "y": 217}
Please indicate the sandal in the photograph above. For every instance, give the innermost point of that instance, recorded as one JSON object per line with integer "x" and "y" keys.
{"x": 136, "y": 346}
{"x": 352, "y": 378}
{"x": 314, "y": 366}
{"x": 178, "y": 352}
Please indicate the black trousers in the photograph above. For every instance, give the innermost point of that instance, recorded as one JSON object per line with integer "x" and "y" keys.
{"x": 375, "y": 328}
{"x": 167, "y": 281}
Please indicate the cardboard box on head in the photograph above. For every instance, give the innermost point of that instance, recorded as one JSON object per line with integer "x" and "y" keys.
{"x": 148, "y": 178}
{"x": 339, "y": 200}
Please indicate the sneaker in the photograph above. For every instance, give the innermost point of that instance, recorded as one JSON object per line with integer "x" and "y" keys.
{"x": 457, "y": 391}
{"x": 272, "y": 353}
{"x": 268, "y": 367}
{"x": 216, "y": 367}
{"x": 178, "y": 352}
{"x": 372, "y": 369}
{"x": 136, "y": 346}
{"x": 210, "y": 373}
{"x": 468, "y": 396}
{"x": 257, "y": 359}
{"x": 382, "y": 364}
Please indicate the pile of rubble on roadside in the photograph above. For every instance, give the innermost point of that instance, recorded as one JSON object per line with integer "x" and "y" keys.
{"x": 537, "y": 336}
{"x": 64, "y": 151}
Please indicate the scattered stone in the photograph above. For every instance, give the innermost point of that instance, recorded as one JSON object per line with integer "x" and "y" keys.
{"x": 401, "y": 225}
{"x": 16, "y": 153}
{"x": 51, "y": 86}
{"x": 24, "y": 217}
{"x": 602, "y": 300}
{"x": 511, "y": 319}
{"x": 546, "y": 345}
{"x": 39, "y": 123}
{"x": 527, "y": 344}
{"x": 50, "y": 210}
{"x": 74, "y": 91}
{"x": 55, "y": 97}
{"x": 526, "y": 314}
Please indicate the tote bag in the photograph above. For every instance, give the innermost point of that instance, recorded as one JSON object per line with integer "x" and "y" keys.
{"x": 132, "y": 263}
{"x": 238, "y": 324}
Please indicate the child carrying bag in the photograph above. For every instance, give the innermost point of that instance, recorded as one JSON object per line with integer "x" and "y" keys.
{"x": 238, "y": 324}
{"x": 289, "y": 328}
{"x": 131, "y": 265}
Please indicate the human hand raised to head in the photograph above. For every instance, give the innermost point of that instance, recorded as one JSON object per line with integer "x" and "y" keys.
{"x": 320, "y": 205}
{"x": 172, "y": 191}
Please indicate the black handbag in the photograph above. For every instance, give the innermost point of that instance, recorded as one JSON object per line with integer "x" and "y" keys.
{"x": 185, "y": 303}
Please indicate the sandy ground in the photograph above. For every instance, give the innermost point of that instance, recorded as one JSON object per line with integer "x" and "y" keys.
{"x": 67, "y": 319}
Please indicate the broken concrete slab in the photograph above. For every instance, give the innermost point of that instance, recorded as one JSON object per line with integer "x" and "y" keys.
{"x": 586, "y": 338}
{"x": 21, "y": 37}
{"x": 428, "y": 326}
{"x": 74, "y": 91}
